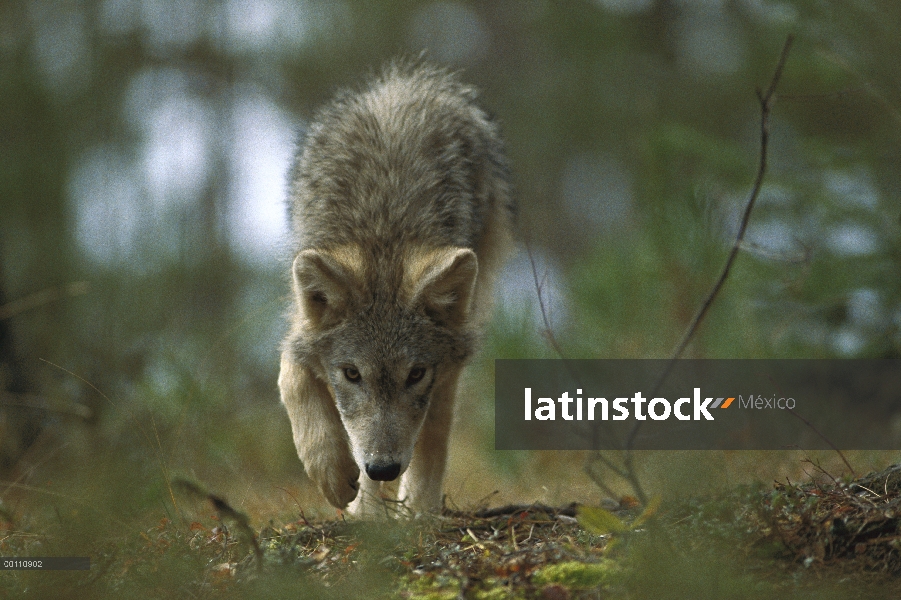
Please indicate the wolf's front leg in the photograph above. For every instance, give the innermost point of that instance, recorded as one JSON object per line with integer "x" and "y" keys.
{"x": 368, "y": 504}
{"x": 319, "y": 436}
{"x": 421, "y": 483}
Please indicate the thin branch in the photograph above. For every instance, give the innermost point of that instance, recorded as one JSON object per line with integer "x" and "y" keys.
{"x": 816, "y": 431}
{"x": 224, "y": 510}
{"x": 37, "y": 299}
{"x": 869, "y": 87}
{"x": 514, "y": 510}
{"x": 596, "y": 477}
{"x": 628, "y": 472}
{"x": 539, "y": 287}
{"x": 157, "y": 447}
{"x": 825, "y": 439}
{"x": 766, "y": 103}
{"x": 45, "y": 403}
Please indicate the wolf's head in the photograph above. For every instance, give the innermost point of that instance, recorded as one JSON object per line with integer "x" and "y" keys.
{"x": 385, "y": 331}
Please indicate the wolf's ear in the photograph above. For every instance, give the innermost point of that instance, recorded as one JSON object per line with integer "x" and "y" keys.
{"x": 323, "y": 287}
{"x": 443, "y": 284}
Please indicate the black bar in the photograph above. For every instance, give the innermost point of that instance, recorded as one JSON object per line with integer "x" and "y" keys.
{"x": 45, "y": 563}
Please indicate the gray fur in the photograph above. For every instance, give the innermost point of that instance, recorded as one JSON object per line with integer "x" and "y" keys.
{"x": 410, "y": 159}
{"x": 402, "y": 214}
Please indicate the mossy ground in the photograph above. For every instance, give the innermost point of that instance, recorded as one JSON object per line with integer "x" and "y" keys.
{"x": 822, "y": 539}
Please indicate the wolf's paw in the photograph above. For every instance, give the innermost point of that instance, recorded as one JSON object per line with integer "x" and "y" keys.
{"x": 337, "y": 478}
{"x": 421, "y": 493}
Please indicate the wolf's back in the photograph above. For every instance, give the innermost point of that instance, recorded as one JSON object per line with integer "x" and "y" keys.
{"x": 409, "y": 161}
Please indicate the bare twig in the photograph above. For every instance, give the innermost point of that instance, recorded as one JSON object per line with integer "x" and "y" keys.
{"x": 596, "y": 477}
{"x": 11, "y": 309}
{"x": 86, "y": 504}
{"x": 817, "y": 431}
{"x": 628, "y": 472}
{"x": 224, "y": 510}
{"x": 45, "y": 403}
{"x": 157, "y": 447}
{"x": 824, "y": 438}
{"x": 513, "y": 510}
{"x": 869, "y": 87}
{"x": 303, "y": 517}
{"x": 766, "y": 104}
{"x": 539, "y": 287}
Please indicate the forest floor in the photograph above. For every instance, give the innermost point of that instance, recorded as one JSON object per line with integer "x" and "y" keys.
{"x": 824, "y": 538}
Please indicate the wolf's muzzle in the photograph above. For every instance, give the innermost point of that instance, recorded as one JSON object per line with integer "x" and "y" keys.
{"x": 383, "y": 472}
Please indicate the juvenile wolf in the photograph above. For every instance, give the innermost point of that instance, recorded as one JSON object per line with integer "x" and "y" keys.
{"x": 402, "y": 215}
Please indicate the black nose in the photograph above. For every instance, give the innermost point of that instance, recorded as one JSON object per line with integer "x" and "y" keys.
{"x": 383, "y": 472}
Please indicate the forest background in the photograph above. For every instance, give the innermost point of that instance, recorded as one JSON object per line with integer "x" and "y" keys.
{"x": 144, "y": 151}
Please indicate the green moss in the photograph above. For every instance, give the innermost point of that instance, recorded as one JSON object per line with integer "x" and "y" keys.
{"x": 497, "y": 593}
{"x": 575, "y": 574}
{"x": 429, "y": 588}
{"x": 435, "y": 595}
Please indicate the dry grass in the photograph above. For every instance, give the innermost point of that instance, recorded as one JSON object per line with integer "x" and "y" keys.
{"x": 854, "y": 524}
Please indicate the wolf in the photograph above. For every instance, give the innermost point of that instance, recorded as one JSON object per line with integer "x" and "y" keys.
{"x": 402, "y": 214}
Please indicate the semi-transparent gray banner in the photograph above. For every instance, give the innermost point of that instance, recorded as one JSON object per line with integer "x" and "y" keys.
{"x": 700, "y": 404}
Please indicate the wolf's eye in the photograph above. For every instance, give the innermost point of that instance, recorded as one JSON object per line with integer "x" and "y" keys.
{"x": 352, "y": 375}
{"x": 415, "y": 376}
